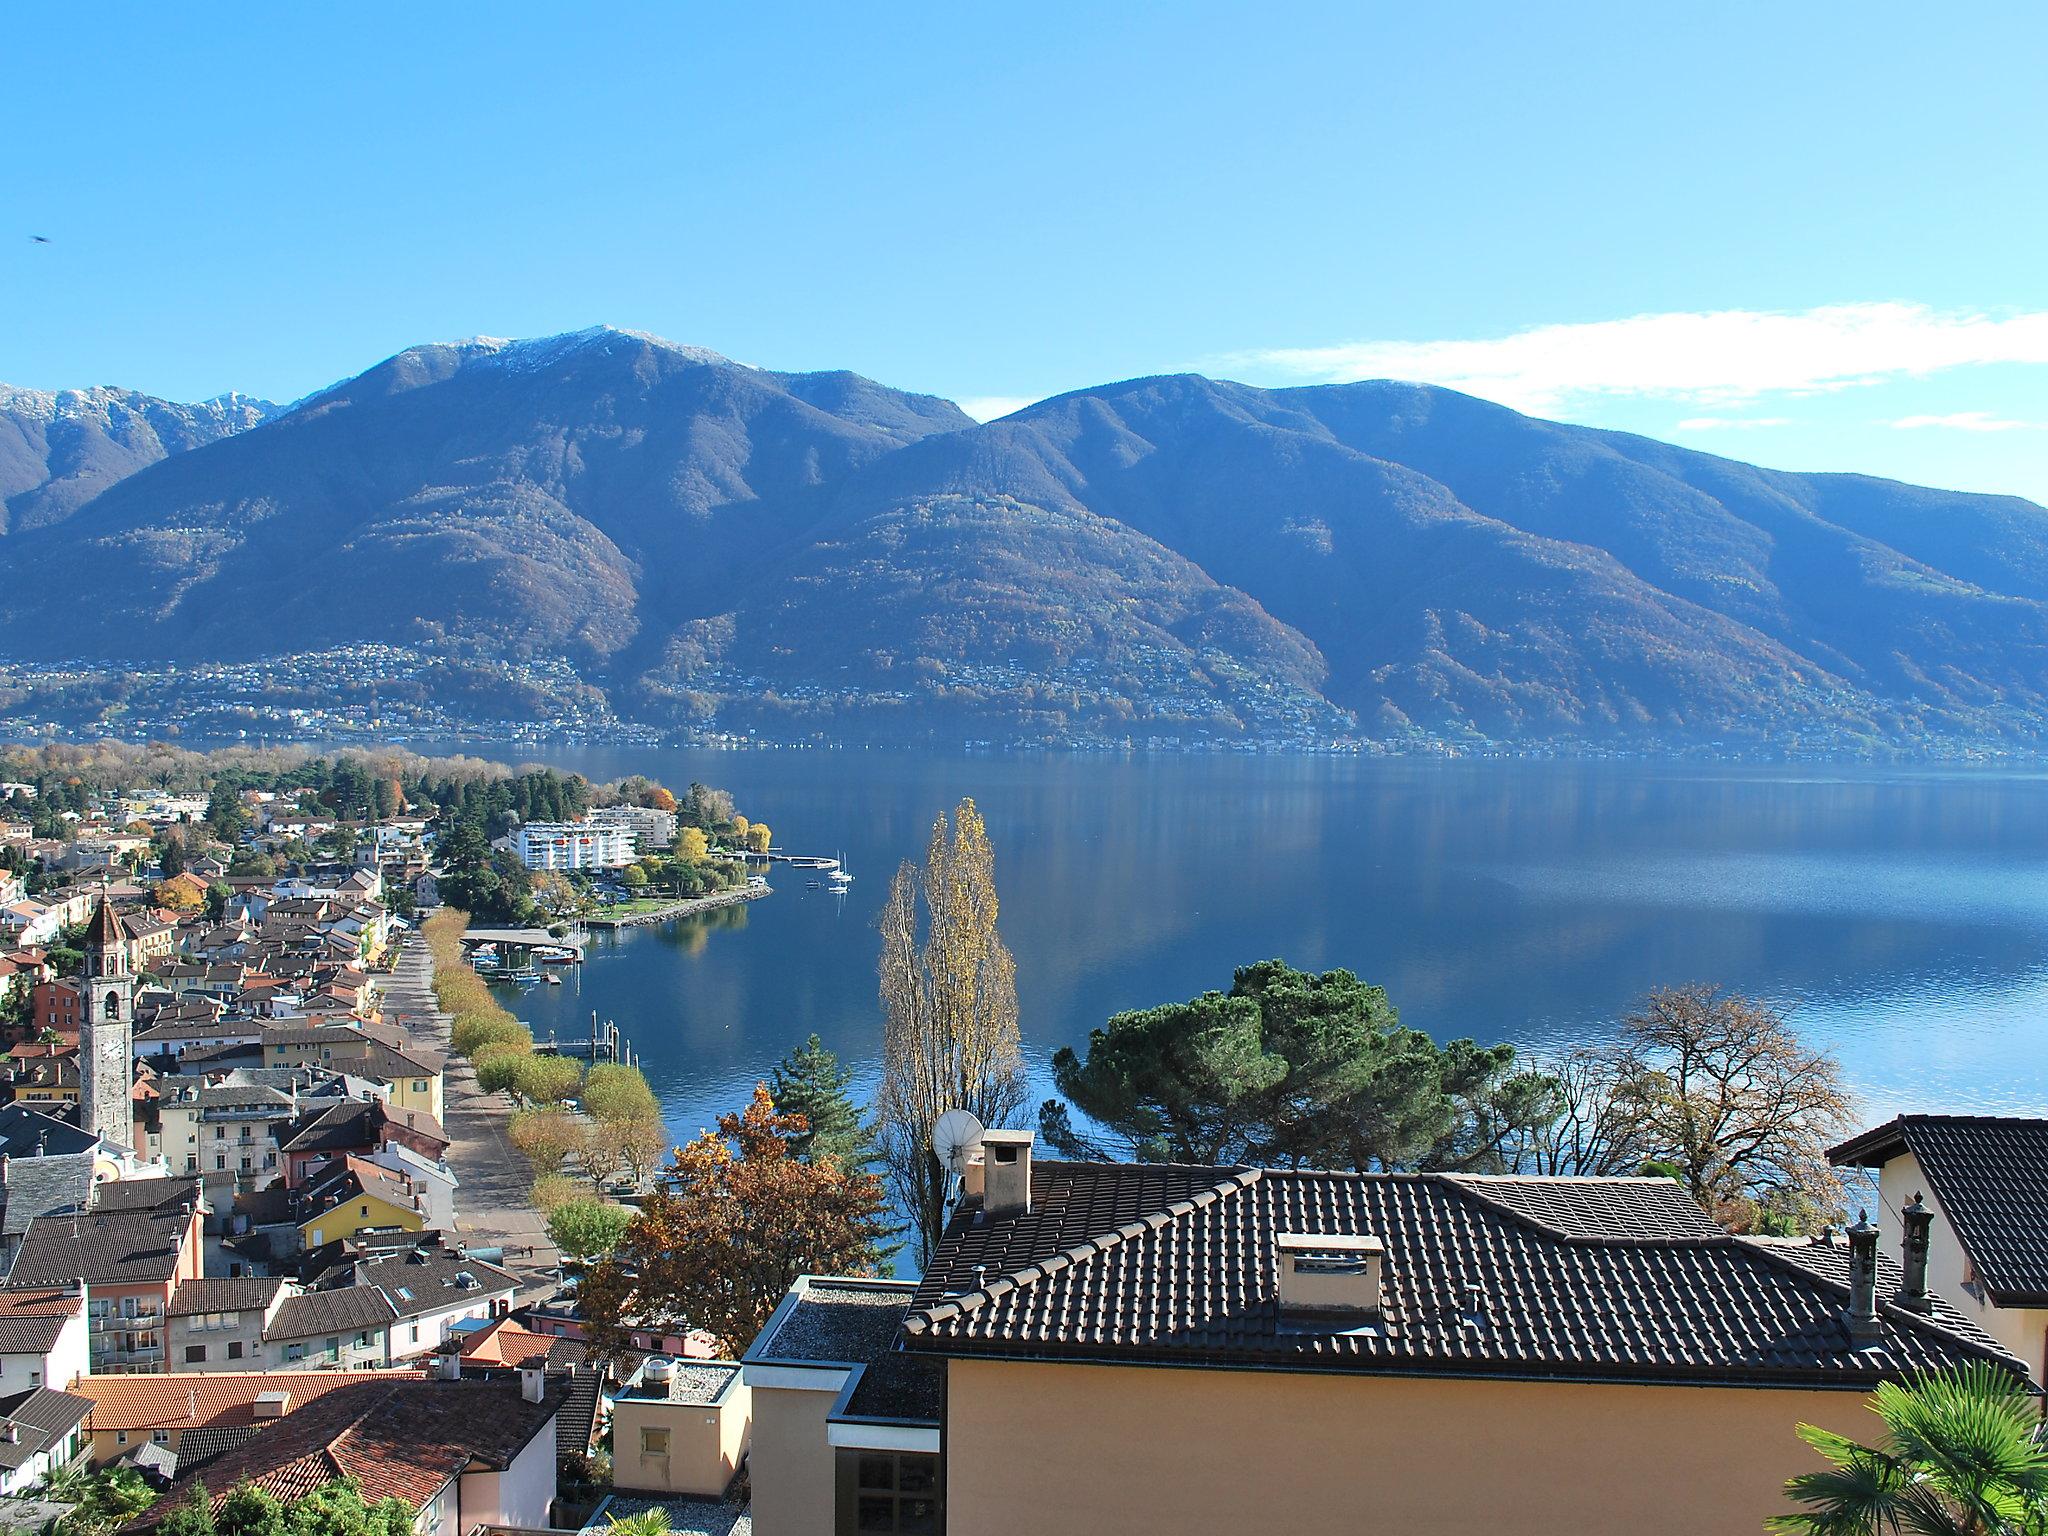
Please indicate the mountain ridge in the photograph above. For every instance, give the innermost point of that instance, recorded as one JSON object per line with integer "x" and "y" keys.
{"x": 708, "y": 544}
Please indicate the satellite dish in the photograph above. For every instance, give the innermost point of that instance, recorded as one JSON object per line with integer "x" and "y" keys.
{"x": 955, "y": 1134}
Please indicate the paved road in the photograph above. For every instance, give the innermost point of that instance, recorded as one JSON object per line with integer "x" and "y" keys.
{"x": 490, "y": 1204}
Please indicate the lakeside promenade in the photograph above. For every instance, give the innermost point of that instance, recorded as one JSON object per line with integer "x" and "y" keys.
{"x": 492, "y": 1208}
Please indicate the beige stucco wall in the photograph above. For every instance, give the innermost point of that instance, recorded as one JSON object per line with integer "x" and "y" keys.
{"x": 1036, "y": 1448}
{"x": 792, "y": 1463}
{"x": 705, "y": 1443}
{"x": 2023, "y": 1330}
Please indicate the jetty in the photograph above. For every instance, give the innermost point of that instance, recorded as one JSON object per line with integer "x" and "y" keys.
{"x": 607, "y": 1042}
{"x": 684, "y": 908}
{"x": 517, "y": 947}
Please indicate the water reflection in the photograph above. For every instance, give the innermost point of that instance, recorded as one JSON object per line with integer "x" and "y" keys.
{"x": 1903, "y": 915}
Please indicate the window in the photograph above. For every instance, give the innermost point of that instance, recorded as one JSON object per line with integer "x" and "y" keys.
{"x": 234, "y": 1349}
{"x": 363, "y": 1339}
{"x": 889, "y": 1491}
{"x": 221, "y": 1164}
{"x": 415, "y": 1332}
{"x": 653, "y": 1442}
{"x": 334, "y": 1344}
{"x": 194, "y": 1353}
{"x": 120, "y": 1437}
{"x": 419, "y": 1085}
{"x": 160, "y": 1436}
{"x": 35, "y": 1378}
{"x": 294, "y": 1352}
{"x": 220, "y": 1133}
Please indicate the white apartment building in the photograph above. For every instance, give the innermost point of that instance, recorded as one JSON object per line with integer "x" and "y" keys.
{"x": 653, "y": 831}
{"x": 572, "y": 845}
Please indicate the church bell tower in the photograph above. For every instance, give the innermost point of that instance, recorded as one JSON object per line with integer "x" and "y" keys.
{"x": 106, "y": 1060}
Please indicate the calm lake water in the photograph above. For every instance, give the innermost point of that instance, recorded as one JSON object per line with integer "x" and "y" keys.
{"x": 1901, "y": 916}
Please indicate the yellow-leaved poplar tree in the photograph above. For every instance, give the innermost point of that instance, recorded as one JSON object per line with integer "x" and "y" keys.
{"x": 949, "y": 987}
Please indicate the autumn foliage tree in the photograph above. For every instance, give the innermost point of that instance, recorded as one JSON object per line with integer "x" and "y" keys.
{"x": 545, "y": 1137}
{"x": 949, "y": 987}
{"x": 737, "y": 1218}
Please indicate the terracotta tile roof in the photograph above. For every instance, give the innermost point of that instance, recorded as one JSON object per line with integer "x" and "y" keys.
{"x": 211, "y": 1399}
{"x": 1989, "y": 1174}
{"x": 504, "y": 1342}
{"x": 1607, "y": 1279}
{"x": 400, "y": 1439}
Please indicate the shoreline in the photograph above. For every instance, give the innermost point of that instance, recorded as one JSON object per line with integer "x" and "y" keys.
{"x": 689, "y": 907}
{"x": 491, "y": 1209}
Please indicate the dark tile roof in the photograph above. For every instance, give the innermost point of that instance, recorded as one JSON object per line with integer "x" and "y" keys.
{"x": 45, "y": 1416}
{"x": 246, "y": 1293}
{"x": 101, "y": 1247}
{"x": 26, "y": 1132}
{"x": 30, "y": 1321}
{"x": 347, "y": 1310}
{"x": 357, "y": 1124}
{"x": 1606, "y": 1280}
{"x": 1989, "y": 1175}
{"x": 145, "y": 1194}
{"x": 201, "y": 1447}
{"x": 37, "y": 1186}
{"x": 577, "y": 1425}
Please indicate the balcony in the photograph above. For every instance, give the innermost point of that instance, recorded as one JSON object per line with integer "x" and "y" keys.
{"x": 124, "y": 1322}
{"x": 127, "y": 1362}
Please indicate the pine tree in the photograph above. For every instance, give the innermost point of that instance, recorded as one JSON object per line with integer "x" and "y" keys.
{"x": 810, "y": 1081}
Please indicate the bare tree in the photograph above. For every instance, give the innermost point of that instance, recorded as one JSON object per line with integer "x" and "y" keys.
{"x": 1597, "y": 1130}
{"x": 1724, "y": 1090}
{"x": 949, "y": 987}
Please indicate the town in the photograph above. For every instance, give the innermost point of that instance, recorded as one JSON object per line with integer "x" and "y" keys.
{"x": 294, "y": 1205}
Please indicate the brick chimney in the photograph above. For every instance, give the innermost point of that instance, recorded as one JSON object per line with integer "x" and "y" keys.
{"x": 1006, "y": 1172}
{"x": 1913, "y": 1261}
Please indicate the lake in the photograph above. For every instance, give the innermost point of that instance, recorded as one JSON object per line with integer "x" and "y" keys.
{"x": 1901, "y": 916}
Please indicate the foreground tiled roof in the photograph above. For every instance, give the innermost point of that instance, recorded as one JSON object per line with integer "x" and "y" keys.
{"x": 1612, "y": 1279}
{"x": 399, "y": 1439}
{"x": 1990, "y": 1176}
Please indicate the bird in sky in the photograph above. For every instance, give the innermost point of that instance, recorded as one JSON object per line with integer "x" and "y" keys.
{"x": 40, "y": 239}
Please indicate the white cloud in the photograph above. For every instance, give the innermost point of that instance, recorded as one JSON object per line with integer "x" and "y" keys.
{"x": 989, "y": 407}
{"x": 1720, "y": 356}
{"x": 1731, "y": 423}
{"x": 1971, "y": 421}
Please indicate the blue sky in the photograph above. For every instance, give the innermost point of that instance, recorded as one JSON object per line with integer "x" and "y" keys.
{"x": 1812, "y": 236}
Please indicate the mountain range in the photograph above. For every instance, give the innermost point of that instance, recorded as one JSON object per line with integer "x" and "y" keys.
{"x": 706, "y": 543}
